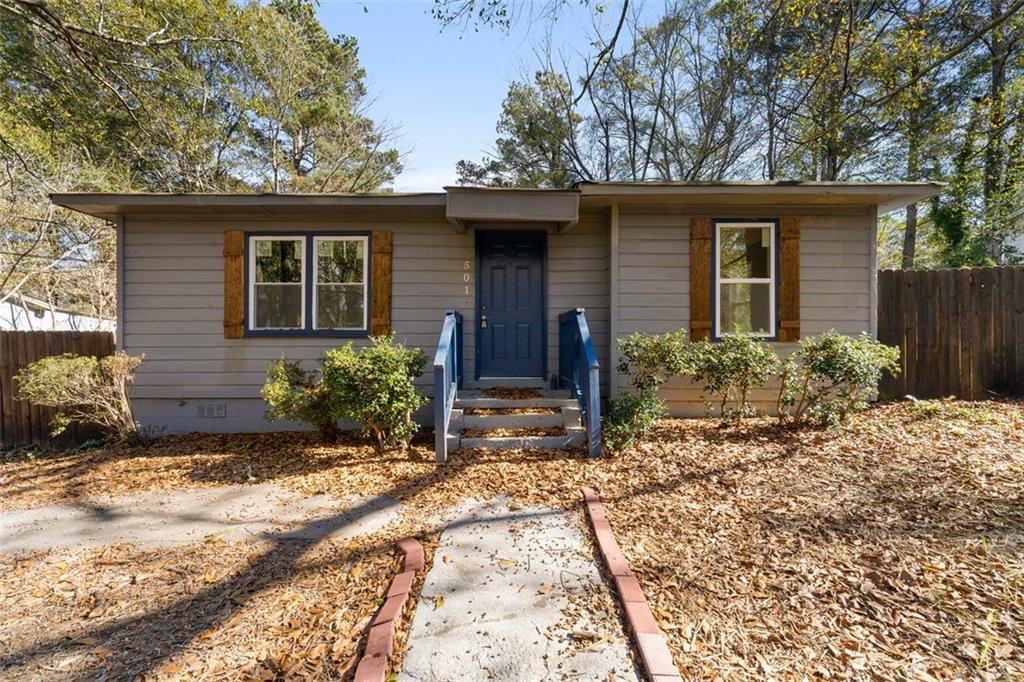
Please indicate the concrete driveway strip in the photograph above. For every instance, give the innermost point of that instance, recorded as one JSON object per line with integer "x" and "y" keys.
{"x": 176, "y": 517}
{"x": 508, "y": 598}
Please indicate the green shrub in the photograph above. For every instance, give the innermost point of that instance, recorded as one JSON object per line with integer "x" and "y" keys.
{"x": 730, "y": 368}
{"x": 85, "y": 390}
{"x": 630, "y": 417}
{"x": 652, "y": 359}
{"x": 649, "y": 360}
{"x": 294, "y": 393}
{"x": 372, "y": 387}
{"x": 832, "y": 375}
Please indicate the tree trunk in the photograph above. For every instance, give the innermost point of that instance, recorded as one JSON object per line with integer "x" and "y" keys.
{"x": 994, "y": 148}
{"x": 910, "y": 238}
{"x": 328, "y": 431}
{"x": 913, "y": 174}
{"x": 771, "y": 87}
{"x": 830, "y": 161}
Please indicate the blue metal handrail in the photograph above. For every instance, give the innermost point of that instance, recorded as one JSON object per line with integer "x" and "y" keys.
{"x": 579, "y": 372}
{"x": 447, "y": 379}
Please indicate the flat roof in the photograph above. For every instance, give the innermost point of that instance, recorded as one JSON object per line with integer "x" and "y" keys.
{"x": 885, "y": 195}
{"x": 109, "y": 205}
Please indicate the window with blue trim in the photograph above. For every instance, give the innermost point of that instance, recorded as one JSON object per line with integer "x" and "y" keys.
{"x": 339, "y": 294}
{"x": 745, "y": 278}
{"x": 277, "y": 293}
{"x": 315, "y": 284}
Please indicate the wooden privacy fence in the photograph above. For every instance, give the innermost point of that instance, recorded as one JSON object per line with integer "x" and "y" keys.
{"x": 22, "y": 423}
{"x": 960, "y": 332}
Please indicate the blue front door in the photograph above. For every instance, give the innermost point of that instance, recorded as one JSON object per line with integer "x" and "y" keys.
{"x": 510, "y": 309}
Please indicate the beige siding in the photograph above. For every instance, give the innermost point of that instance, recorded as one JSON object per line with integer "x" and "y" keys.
{"x": 578, "y": 278}
{"x": 173, "y": 312}
{"x": 173, "y": 309}
{"x": 654, "y": 278}
{"x": 173, "y": 298}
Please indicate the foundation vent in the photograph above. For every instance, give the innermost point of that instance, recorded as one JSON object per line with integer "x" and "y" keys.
{"x": 213, "y": 410}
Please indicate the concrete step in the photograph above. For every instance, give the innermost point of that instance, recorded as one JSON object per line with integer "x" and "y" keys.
{"x": 567, "y": 417}
{"x": 512, "y": 421}
{"x": 510, "y": 382}
{"x": 571, "y": 439}
{"x": 473, "y": 393}
{"x": 544, "y": 392}
{"x": 466, "y": 402}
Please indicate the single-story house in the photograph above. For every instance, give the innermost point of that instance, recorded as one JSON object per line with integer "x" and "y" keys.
{"x": 21, "y": 312}
{"x": 213, "y": 287}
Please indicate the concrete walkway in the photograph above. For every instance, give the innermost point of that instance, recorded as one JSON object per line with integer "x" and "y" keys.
{"x": 177, "y": 517}
{"x": 510, "y": 596}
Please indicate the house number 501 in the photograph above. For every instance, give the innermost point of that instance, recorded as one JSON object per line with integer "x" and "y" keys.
{"x": 465, "y": 275}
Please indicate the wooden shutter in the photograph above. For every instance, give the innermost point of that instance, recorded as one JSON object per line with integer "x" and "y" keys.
{"x": 234, "y": 284}
{"x": 700, "y": 279}
{"x": 789, "y": 279}
{"x": 380, "y": 287}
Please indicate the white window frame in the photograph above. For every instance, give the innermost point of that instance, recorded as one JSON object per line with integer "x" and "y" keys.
{"x": 770, "y": 280}
{"x": 366, "y": 284}
{"x": 253, "y": 240}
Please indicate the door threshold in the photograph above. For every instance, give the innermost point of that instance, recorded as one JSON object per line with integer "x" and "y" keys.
{"x": 510, "y": 382}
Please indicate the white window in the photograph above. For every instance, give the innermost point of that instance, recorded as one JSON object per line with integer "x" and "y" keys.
{"x": 277, "y": 294}
{"x": 745, "y": 278}
{"x": 340, "y": 291}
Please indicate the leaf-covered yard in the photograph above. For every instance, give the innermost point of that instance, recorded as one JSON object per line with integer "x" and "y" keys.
{"x": 213, "y": 610}
{"x": 891, "y": 547}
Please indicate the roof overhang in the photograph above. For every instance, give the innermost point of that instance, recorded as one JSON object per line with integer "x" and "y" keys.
{"x": 885, "y": 196}
{"x": 468, "y": 206}
{"x": 384, "y": 205}
{"x": 32, "y": 303}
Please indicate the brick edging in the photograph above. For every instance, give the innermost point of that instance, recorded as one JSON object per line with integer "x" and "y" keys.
{"x": 651, "y": 643}
{"x": 380, "y": 641}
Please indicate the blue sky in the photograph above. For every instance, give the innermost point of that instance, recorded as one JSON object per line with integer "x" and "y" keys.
{"x": 442, "y": 90}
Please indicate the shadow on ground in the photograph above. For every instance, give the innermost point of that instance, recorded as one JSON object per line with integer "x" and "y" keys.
{"x": 170, "y": 629}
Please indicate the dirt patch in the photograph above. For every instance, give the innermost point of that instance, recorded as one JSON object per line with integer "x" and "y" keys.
{"x": 893, "y": 547}
{"x": 192, "y": 461}
{"x": 211, "y": 610}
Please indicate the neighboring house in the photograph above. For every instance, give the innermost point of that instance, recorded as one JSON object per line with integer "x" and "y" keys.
{"x": 1017, "y": 245}
{"x": 212, "y": 288}
{"x": 24, "y": 313}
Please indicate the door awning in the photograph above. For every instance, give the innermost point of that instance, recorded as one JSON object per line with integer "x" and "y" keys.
{"x": 471, "y": 206}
